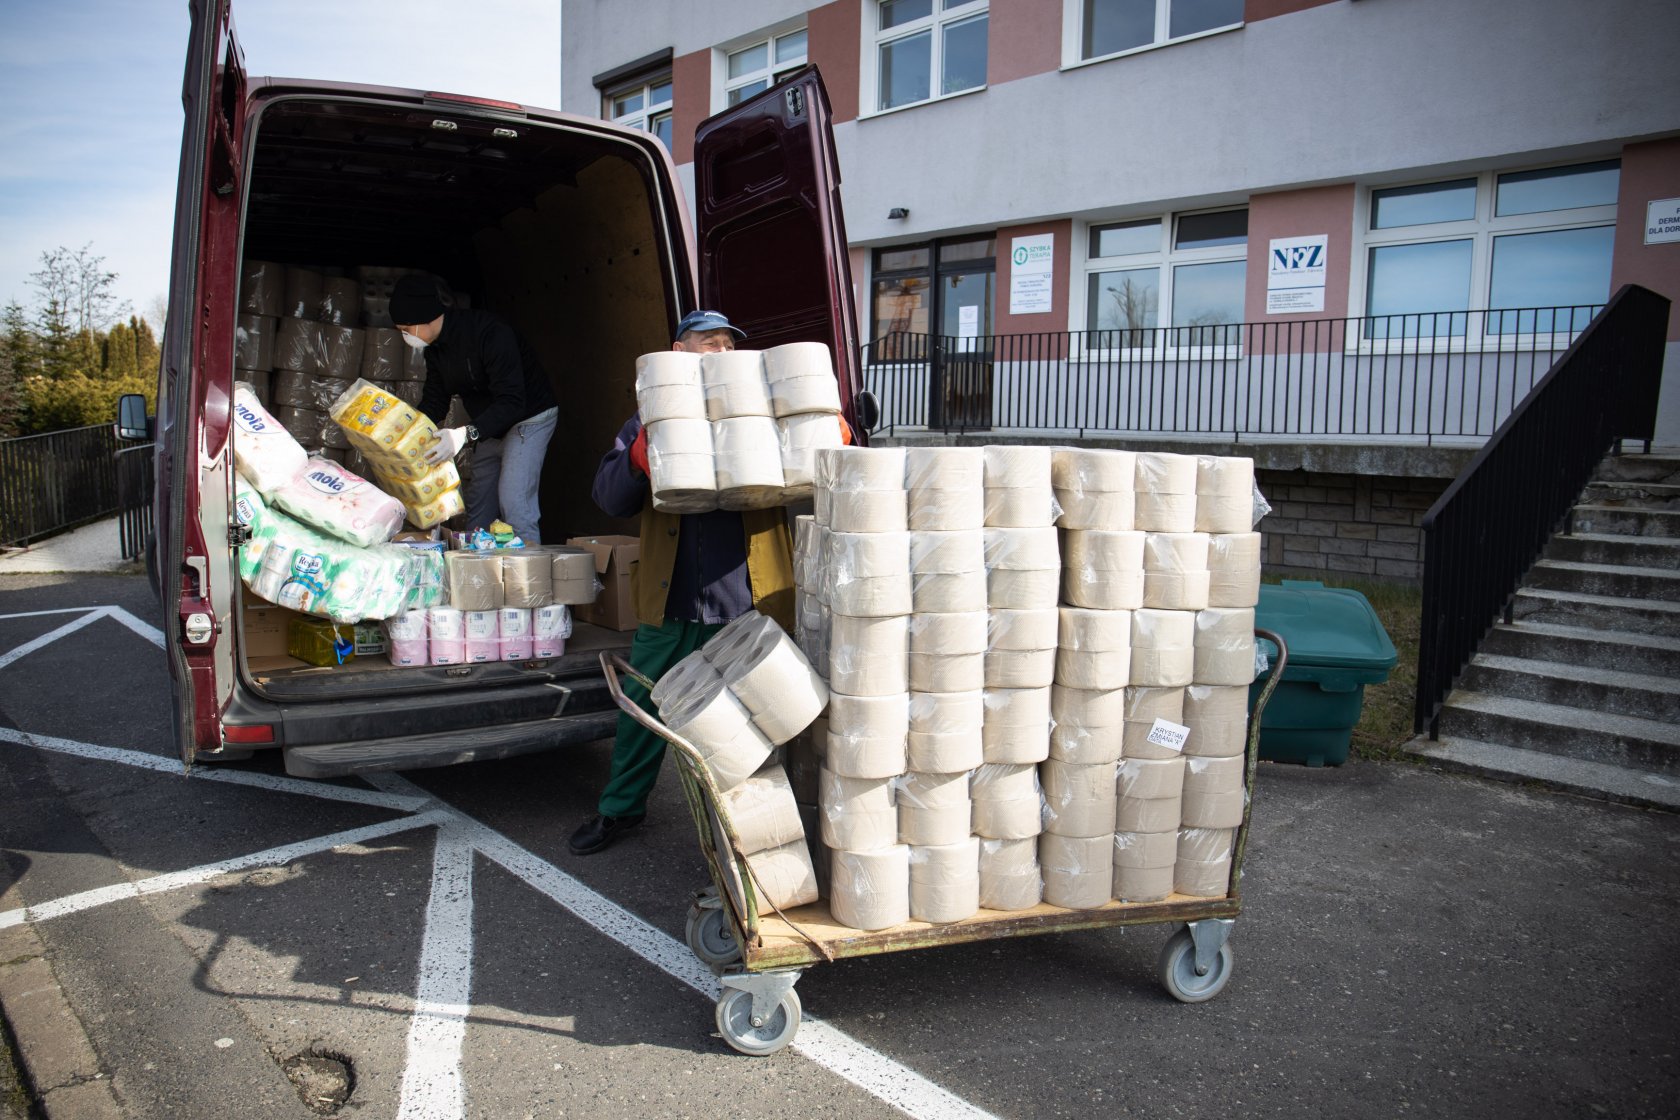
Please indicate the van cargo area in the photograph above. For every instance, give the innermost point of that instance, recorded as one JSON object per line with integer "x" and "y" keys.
{"x": 557, "y": 228}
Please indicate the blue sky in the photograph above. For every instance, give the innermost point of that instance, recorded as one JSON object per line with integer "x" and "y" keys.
{"x": 90, "y": 103}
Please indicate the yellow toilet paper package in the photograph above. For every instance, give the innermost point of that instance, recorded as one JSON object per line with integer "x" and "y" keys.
{"x": 394, "y": 436}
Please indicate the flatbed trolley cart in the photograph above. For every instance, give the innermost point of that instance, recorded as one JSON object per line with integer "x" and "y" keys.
{"x": 758, "y": 959}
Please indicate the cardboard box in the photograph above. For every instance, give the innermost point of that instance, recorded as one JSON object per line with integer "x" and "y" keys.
{"x": 264, "y": 630}
{"x": 615, "y": 560}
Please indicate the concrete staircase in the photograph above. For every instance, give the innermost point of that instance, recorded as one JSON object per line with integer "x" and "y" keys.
{"x": 1582, "y": 691}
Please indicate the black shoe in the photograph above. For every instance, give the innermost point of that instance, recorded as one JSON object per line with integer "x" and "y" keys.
{"x": 597, "y": 832}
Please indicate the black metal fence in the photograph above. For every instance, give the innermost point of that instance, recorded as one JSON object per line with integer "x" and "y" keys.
{"x": 56, "y": 481}
{"x": 1490, "y": 525}
{"x": 1416, "y": 377}
{"x": 135, "y": 498}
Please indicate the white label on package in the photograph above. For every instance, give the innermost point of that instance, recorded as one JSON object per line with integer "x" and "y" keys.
{"x": 1167, "y": 734}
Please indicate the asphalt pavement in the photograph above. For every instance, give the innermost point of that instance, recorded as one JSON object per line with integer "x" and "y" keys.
{"x": 1412, "y": 943}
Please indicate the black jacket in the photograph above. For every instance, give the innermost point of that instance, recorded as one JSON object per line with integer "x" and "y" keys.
{"x": 495, "y": 371}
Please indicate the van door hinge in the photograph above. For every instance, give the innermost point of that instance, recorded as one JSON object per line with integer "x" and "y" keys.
{"x": 796, "y": 102}
{"x": 238, "y": 534}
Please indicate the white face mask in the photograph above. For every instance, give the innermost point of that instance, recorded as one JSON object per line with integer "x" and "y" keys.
{"x": 414, "y": 340}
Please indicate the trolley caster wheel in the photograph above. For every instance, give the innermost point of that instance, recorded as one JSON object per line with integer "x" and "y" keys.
{"x": 709, "y": 937}
{"x": 734, "y": 1020}
{"x": 1176, "y": 967}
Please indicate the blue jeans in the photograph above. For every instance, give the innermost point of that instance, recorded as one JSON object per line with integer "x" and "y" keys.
{"x": 506, "y": 473}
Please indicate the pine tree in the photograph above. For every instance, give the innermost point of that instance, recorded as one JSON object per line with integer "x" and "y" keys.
{"x": 121, "y": 358}
{"x": 146, "y": 352}
{"x": 17, "y": 347}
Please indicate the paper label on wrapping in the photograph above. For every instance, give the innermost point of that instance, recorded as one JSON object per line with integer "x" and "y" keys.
{"x": 1165, "y": 733}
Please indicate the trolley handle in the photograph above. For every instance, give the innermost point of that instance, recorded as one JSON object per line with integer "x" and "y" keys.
{"x": 1252, "y": 750}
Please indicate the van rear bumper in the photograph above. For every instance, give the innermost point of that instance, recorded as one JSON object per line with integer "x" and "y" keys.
{"x": 445, "y": 748}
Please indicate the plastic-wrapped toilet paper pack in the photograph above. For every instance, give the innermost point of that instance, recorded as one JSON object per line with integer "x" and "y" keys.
{"x": 1151, "y": 795}
{"x": 1017, "y": 725}
{"x": 1094, "y": 488}
{"x": 1163, "y": 648}
{"x": 1175, "y": 575}
{"x": 1224, "y": 646}
{"x": 406, "y": 638}
{"x": 943, "y": 731}
{"x": 1143, "y": 707}
{"x": 763, "y": 811}
{"x": 868, "y": 511}
{"x": 550, "y": 627}
{"x": 299, "y": 344}
{"x": 800, "y": 437}
{"x": 1161, "y": 472}
{"x": 869, "y": 655}
{"x": 777, "y": 685}
{"x": 1087, "y": 724}
{"x": 1233, "y": 569}
{"x": 721, "y": 729}
{"x": 257, "y": 382}
{"x": 692, "y": 672}
{"x": 249, "y": 509}
{"x": 747, "y": 455}
{"x": 513, "y": 627}
{"x": 1023, "y": 568}
{"x": 1200, "y": 879}
{"x": 668, "y": 387}
{"x": 1103, "y": 569}
{"x": 1143, "y": 865}
{"x": 682, "y": 466}
{"x": 1207, "y": 845}
{"x": 382, "y": 356}
{"x": 932, "y": 808}
{"x": 448, "y": 627}
{"x": 340, "y": 302}
{"x": 1017, "y": 487}
{"x": 475, "y": 580}
{"x": 946, "y": 487}
{"x": 786, "y": 877}
{"x": 858, "y": 814}
{"x": 303, "y": 291}
{"x": 868, "y": 574}
{"x": 1217, "y": 716}
{"x": 734, "y": 384}
{"x": 800, "y": 379}
{"x": 307, "y": 570}
{"x": 870, "y": 889}
{"x": 1078, "y": 871}
{"x": 948, "y": 655}
{"x": 262, "y": 288}
{"x": 334, "y": 500}
{"x": 945, "y": 881}
{"x": 1009, "y": 874}
{"x": 1021, "y": 650}
{"x": 483, "y": 643}
{"x": 1094, "y": 648}
{"x": 738, "y": 634}
{"x": 1214, "y": 796}
{"x": 1224, "y": 494}
{"x": 867, "y": 468}
{"x": 527, "y": 578}
{"x": 1007, "y": 803}
{"x": 948, "y": 571}
{"x": 253, "y": 341}
{"x": 1079, "y": 799}
{"x": 867, "y": 735}
{"x": 264, "y": 452}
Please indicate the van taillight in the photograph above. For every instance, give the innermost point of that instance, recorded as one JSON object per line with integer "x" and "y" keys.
{"x": 250, "y": 733}
{"x": 487, "y": 102}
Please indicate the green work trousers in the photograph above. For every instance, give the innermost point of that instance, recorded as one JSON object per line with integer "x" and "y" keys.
{"x": 638, "y": 752}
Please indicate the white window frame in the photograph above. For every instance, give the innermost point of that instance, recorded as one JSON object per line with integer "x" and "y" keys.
{"x": 1164, "y": 258}
{"x": 723, "y": 85}
{"x": 869, "y": 92}
{"x": 1073, "y": 34}
{"x": 1481, "y": 231}
{"x": 647, "y": 117}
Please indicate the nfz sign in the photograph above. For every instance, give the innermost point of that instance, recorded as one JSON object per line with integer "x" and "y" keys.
{"x": 1295, "y": 269}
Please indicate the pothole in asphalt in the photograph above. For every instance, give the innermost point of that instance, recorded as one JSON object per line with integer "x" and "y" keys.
{"x": 324, "y": 1079}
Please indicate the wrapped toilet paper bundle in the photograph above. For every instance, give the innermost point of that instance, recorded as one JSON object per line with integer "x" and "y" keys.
{"x": 858, "y": 814}
{"x": 1224, "y": 646}
{"x": 802, "y": 758}
{"x": 1021, "y": 649}
{"x": 1007, "y": 801}
{"x": 1143, "y": 707}
{"x": 306, "y": 570}
{"x": 800, "y": 379}
{"x": 406, "y": 639}
{"x": 1094, "y": 648}
{"x": 948, "y": 571}
{"x": 733, "y": 381}
{"x": 474, "y": 580}
{"x": 777, "y": 685}
{"x": 513, "y": 628}
{"x": 262, "y": 288}
{"x": 868, "y": 574}
{"x": 866, "y": 468}
{"x": 1203, "y": 867}
{"x": 1088, "y": 724}
{"x": 1217, "y": 716}
{"x": 1094, "y": 488}
{"x": 291, "y": 389}
{"x": 303, "y": 291}
{"x": 527, "y": 579}
{"x": 1017, "y": 487}
{"x": 1023, "y": 568}
{"x": 799, "y": 438}
{"x": 932, "y": 808}
{"x": 1017, "y": 725}
{"x": 256, "y": 382}
{"x": 867, "y": 735}
{"x": 1151, "y": 793}
{"x": 785, "y": 876}
{"x": 1207, "y": 845}
{"x": 300, "y": 345}
{"x": 868, "y": 511}
{"x": 948, "y": 653}
{"x": 747, "y": 456}
{"x": 945, "y": 880}
{"x": 1009, "y": 874}
{"x": 682, "y": 466}
{"x": 869, "y": 656}
{"x": 249, "y": 510}
{"x": 668, "y": 387}
{"x": 1078, "y": 871}
{"x": 334, "y": 500}
{"x": 1163, "y": 648}
{"x": 692, "y": 672}
{"x": 1103, "y": 569}
{"x": 1143, "y": 865}
{"x": 1166, "y": 493}
{"x": 1233, "y": 569}
{"x": 1175, "y": 575}
{"x": 448, "y": 629}
{"x": 1224, "y": 494}
{"x": 550, "y": 627}
{"x": 484, "y": 641}
{"x": 763, "y": 811}
{"x": 738, "y": 634}
{"x": 870, "y": 889}
{"x": 721, "y": 729}
{"x": 264, "y": 452}
{"x": 340, "y": 302}
{"x": 946, "y": 487}
{"x": 1079, "y": 799}
{"x": 382, "y": 357}
{"x": 1213, "y": 792}
{"x": 253, "y": 341}
{"x": 944, "y": 731}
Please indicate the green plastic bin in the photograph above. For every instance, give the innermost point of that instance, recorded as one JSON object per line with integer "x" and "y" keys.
{"x": 1337, "y": 646}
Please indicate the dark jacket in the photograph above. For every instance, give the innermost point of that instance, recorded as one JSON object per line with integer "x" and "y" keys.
{"x": 490, "y": 365}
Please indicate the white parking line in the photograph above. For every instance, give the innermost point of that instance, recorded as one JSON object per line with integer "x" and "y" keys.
{"x": 49, "y": 637}
{"x": 432, "y": 1088}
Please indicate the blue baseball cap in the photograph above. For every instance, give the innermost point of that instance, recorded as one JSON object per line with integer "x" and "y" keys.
{"x": 707, "y": 321}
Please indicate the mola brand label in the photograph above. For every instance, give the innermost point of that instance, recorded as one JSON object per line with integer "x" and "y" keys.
{"x": 248, "y": 420}
{"x": 328, "y": 482}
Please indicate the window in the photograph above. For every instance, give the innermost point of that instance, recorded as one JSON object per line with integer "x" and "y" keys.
{"x": 1137, "y": 278}
{"x": 646, "y": 106}
{"x": 925, "y": 49}
{"x": 1519, "y": 244}
{"x": 1110, "y": 26}
{"x": 754, "y": 69}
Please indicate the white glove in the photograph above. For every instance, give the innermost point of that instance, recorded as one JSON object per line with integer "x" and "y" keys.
{"x": 448, "y": 445}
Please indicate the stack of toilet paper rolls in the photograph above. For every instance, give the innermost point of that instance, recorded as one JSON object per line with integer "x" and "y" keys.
{"x": 766, "y": 818}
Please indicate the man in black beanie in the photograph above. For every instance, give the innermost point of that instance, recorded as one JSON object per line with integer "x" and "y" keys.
{"x": 478, "y": 357}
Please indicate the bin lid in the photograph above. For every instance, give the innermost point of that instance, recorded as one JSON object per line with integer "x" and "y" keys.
{"x": 1327, "y": 628}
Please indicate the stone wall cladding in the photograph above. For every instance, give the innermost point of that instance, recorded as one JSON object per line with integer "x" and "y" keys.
{"x": 1365, "y": 525}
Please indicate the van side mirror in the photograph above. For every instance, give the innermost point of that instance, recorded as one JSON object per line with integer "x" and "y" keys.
{"x": 132, "y": 423}
{"x": 867, "y": 409}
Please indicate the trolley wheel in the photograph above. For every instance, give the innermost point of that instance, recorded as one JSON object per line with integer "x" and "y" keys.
{"x": 709, "y": 936}
{"x": 1176, "y": 967}
{"x": 734, "y": 1020}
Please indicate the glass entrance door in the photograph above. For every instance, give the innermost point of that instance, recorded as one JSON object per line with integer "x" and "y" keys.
{"x": 964, "y": 349}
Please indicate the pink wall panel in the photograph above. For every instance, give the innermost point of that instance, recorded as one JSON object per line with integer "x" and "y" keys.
{"x": 1025, "y": 38}
{"x": 833, "y": 46}
{"x": 691, "y": 101}
{"x": 1649, "y": 172}
{"x": 1301, "y": 213}
{"x": 1054, "y": 320}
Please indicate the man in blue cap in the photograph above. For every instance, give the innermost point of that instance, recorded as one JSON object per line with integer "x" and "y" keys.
{"x": 696, "y": 572}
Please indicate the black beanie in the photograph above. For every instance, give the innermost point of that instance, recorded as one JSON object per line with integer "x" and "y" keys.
{"x": 414, "y": 299}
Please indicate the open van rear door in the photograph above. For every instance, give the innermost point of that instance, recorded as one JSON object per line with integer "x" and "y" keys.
{"x": 772, "y": 240}
{"x": 197, "y": 584}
